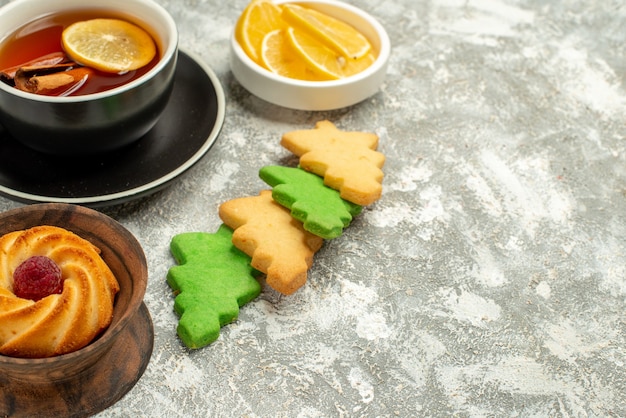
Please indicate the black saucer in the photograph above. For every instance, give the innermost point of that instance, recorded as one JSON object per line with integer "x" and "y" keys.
{"x": 187, "y": 129}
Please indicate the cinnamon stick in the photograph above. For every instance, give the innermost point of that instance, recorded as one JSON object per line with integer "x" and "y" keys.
{"x": 55, "y": 84}
{"x": 8, "y": 74}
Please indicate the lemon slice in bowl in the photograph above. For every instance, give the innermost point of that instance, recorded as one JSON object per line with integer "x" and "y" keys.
{"x": 334, "y": 33}
{"x": 258, "y": 19}
{"x": 278, "y": 56}
{"x": 325, "y": 61}
{"x": 108, "y": 45}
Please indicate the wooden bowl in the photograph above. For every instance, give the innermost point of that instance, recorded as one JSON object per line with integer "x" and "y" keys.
{"x": 126, "y": 259}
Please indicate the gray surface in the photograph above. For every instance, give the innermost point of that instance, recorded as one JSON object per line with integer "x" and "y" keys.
{"x": 489, "y": 280}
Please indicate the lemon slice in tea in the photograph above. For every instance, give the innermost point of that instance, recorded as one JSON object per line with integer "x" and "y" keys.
{"x": 108, "y": 45}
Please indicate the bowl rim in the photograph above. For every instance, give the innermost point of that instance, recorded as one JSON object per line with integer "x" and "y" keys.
{"x": 137, "y": 296}
{"x": 381, "y": 60}
{"x": 168, "y": 54}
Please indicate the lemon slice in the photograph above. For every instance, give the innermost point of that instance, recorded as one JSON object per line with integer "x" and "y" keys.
{"x": 109, "y": 45}
{"x": 324, "y": 60}
{"x": 278, "y": 57}
{"x": 334, "y": 33}
{"x": 258, "y": 19}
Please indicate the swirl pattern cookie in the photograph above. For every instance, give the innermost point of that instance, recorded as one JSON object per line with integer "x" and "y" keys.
{"x": 58, "y": 323}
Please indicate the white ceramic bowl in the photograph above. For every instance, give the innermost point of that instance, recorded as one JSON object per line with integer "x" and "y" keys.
{"x": 92, "y": 123}
{"x": 318, "y": 95}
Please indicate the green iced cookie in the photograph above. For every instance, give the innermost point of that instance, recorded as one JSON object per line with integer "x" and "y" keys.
{"x": 212, "y": 281}
{"x": 320, "y": 208}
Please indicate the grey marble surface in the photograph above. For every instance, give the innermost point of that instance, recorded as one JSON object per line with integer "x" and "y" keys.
{"x": 489, "y": 280}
